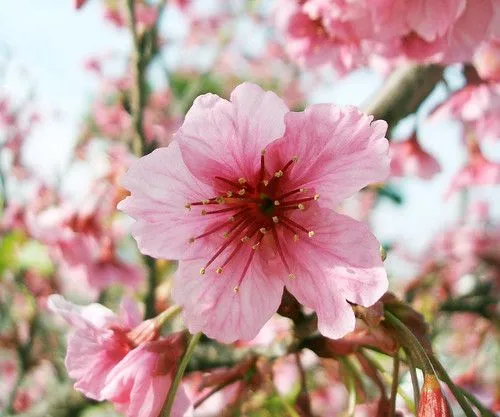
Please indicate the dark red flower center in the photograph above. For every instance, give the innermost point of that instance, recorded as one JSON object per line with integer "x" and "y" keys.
{"x": 256, "y": 208}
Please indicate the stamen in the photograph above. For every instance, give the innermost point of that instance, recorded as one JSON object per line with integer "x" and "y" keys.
{"x": 291, "y": 276}
{"x": 276, "y": 219}
{"x": 301, "y": 200}
{"x": 226, "y": 234}
{"x": 247, "y": 265}
{"x": 276, "y": 203}
{"x": 311, "y": 233}
{"x": 265, "y": 182}
{"x": 278, "y": 174}
{"x": 236, "y": 184}
{"x": 298, "y": 226}
{"x": 216, "y": 228}
{"x": 263, "y": 230}
{"x": 301, "y": 206}
{"x": 262, "y": 167}
{"x": 188, "y": 206}
{"x": 298, "y": 190}
{"x": 202, "y": 271}
{"x": 228, "y": 242}
{"x": 280, "y": 250}
{"x": 219, "y": 270}
{"x": 229, "y": 193}
{"x": 204, "y": 212}
{"x": 242, "y": 191}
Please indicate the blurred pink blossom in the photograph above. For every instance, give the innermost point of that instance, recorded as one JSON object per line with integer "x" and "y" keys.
{"x": 409, "y": 159}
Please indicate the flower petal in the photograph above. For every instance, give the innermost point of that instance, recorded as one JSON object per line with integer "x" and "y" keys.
{"x": 161, "y": 186}
{"x": 340, "y": 262}
{"x": 225, "y": 138}
{"x": 339, "y": 151}
{"x": 211, "y": 304}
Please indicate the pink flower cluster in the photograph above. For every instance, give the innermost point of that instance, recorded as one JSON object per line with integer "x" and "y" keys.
{"x": 120, "y": 359}
{"x": 348, "y": 34}
{"x": 244, "y": 198}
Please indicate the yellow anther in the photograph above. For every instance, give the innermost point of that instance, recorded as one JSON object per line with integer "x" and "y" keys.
{"x": 291, "y": 276}
{"x": 188, "y": 206}
{"x": 205, "y": 201}
{"x": 202, "y": 271}
{"x": 242, "y": 181}
{"x": 229, "y": 193}
{"x": 236, "y": 289}
{"x": 295, "y": 238}
{"x": 263, "y": 230}
{"x": 242, "y": 192}
{"x": 245, "y": 239}
{"x": 219, "y": 270}
{"x": 311, "y": 233}
{"x": 254, "y": 247}
{"x": 278, "y": 174}
{"x": 265, "y": 182}
{"x": 276, "y": 203}
{"x": 220, "y": 200}
{"x": 316, "y": 197}
{"x": 192, "y": 240}
{"x": 301, "y": 206}
{"x": 276, "y": 219}
{"x": 203, "y": 212}
{"x": 231, "y": 219}
{"x": 263, "y": 152}
{"x": 295, "y": 158}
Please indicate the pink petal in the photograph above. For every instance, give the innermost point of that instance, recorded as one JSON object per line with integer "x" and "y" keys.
{"x": 432, "y": 18}
{"x": 92, "y": 353}
{"x": 79, "y": 316}
{"x": 340, "y": 262}
{"x": 130, "y": 314}
{"x": 225, "y": 138}
{"x": 161, "y": 186}
{"x": 212, "y": 306}
{"x": 469, "y": 30}
{"x": 339, "y": 151}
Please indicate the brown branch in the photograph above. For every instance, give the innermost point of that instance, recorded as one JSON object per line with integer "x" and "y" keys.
{"x": 404, "y": 91}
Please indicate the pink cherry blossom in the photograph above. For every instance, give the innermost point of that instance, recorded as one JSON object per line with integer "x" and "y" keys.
{"x": 119, "y": 359}
{"x": 96, "y": 344}
{"x": 409, "y": 159}
{"x": 236, "y": 198}
{"x": 477, "y": 172}
{"x": 139, "y": 384}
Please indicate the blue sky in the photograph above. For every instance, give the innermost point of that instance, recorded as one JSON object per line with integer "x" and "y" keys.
{"x": 52, "y": 41}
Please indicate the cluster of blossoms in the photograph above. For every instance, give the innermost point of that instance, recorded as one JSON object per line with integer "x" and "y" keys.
{"x": 350, "y": 34}
{"x": 242, "y": 208}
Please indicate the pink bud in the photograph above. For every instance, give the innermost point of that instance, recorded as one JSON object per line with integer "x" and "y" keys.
{"x": 432, "y": 401}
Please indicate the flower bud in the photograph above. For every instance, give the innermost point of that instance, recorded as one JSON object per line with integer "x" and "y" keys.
{"x": 432, "y": 401}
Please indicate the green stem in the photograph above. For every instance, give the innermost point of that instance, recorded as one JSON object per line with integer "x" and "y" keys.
{"x": 168, "y": 314}
{"x": 150, "y": 299}
{"x": 179, "y": 374}
{"x": 410, "y": 342}
{"x": 443, "y": 375}
{"x": 395, "y": 383}
{"x": 414, "y": 380}
{"x": 485, "y": 412}
{"x": 388, "y": 379}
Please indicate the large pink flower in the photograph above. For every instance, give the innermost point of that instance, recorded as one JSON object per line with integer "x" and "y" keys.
{"x": 236, "y": 198}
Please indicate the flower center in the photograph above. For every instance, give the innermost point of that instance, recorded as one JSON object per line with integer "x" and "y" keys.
{"x": 254, "y": 210}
